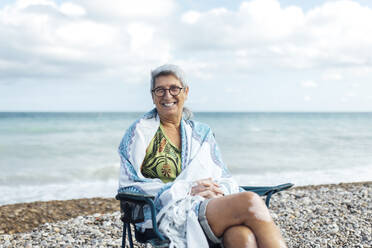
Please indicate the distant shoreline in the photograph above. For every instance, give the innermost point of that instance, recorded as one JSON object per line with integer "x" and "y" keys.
{"x": 197, "y": 112}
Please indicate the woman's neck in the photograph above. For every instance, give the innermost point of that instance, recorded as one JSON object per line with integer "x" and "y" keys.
{"x": 171, "y": 129}
{"x": 170, "y": 122}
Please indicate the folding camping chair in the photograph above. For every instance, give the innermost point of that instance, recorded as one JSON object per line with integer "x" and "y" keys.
{"x": 131, "y": 206}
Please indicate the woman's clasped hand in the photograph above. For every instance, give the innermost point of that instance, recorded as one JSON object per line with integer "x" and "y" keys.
{"x": 206, "y": 188}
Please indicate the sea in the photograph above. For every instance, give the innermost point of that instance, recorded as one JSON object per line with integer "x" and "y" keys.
{"x": 58, "y": 156}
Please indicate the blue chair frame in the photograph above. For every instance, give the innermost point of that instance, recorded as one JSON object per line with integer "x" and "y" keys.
{"x": 131, "y": 206}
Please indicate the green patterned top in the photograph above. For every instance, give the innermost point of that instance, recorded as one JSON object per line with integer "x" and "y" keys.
{"x": 162, "y": 159}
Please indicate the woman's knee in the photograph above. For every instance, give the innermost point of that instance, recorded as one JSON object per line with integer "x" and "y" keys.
{"x": 255, "y": 206}
{"x": 249, "y": 196}
{"x": 239, "y": 236}
{"x": 244, "y": 208}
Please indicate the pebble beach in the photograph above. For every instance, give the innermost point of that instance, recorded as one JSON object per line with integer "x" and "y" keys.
{"x": 334, "y": 215}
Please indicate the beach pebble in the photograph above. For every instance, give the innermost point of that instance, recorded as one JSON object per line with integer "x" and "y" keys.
{"x": 306, "y": 200}
{"x": 333, "y": 228}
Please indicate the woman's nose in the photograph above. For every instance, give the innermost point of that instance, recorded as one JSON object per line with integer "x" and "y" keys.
{"x": 167, "y": 94}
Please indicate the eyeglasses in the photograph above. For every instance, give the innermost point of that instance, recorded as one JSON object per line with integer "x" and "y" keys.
{"x": 173, "y": 90}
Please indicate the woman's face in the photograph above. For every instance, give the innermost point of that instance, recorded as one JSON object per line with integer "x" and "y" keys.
{"x": 169, "y": 106}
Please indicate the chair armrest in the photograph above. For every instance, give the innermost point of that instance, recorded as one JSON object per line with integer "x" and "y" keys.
{"x": 264, "y": 190}
{"x": 131, "y": 196}
{"x": 267, "y": 191}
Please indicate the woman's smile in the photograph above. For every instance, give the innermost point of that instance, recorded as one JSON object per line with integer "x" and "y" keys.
{"x": 168, "y": 105}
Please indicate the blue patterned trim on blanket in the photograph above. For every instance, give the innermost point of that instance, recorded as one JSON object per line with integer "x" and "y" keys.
{"x": 129, "y": 170}
{"x": 200, "y": 131}
{"x": 196, "y": 208}
{"x": 217, "y": 158}
{"x": 184, "y": 147}
{"x": 203, "y": 133}
{"x": 125, "y": 146}
{"x": 124, "y": 151}
{"x": 151, "y": 114}
{"x": 131, "y": 189}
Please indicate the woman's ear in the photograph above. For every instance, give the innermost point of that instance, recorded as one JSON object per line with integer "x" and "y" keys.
{"x": 153, "y": 97}
{"x": 186, "y": 92}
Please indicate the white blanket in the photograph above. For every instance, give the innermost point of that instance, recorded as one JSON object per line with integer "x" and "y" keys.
{"x": 177, "y": 209}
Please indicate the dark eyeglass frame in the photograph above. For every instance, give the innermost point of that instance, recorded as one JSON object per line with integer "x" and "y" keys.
{"x": 163, "y": 90}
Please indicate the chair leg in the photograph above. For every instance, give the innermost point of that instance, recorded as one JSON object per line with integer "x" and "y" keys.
{"x": 130, "y": 236}
{"x": 124, "y": 235}
{"x": 268, "y": 197}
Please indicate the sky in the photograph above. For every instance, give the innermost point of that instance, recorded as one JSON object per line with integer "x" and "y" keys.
{"x": 255, "y": 55}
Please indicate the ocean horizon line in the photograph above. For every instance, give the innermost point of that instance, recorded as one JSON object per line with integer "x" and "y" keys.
{"x": 196, "y": 111}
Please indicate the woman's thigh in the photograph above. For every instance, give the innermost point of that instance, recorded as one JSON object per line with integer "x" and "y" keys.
{"x": 239, "y": 236}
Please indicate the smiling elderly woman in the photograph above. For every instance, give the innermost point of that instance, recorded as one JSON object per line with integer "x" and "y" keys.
{"x": 168, "y": 155}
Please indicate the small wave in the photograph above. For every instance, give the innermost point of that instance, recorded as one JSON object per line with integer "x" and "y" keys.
{"x": 61, "y": 191}
{"x": 312, "y": 177}
{"x": 80, "y": 174}
{"x": 255, "y": 129}
{"x": 93, "y": 173}
{"x": 104, "y": 173}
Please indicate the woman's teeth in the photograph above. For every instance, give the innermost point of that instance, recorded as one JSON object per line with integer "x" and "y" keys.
{"x": 168, "y": 104}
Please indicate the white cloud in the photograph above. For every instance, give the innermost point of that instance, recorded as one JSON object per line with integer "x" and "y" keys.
{"x": 361, "y": 71}
{"x": 130, "y": 9}
{"x": 267, "y": 20}
{"x": 196, "y": 68}
{"x": 263, "y": 33}
{"x": 331, "y": 75}
{"x": 87, "y": 34}
{"x": 23, "y": 4}
{"x": 141, "y": 35}
{"x": 307, "y": 98}
{"x": 71, "y": 9}
{"x": 309, "y": 84}
{"x": 190, "y": 17}
{"x": 258, "y": 36}
{"x": 45, "y": 39}
{"x": 351, "y": 94}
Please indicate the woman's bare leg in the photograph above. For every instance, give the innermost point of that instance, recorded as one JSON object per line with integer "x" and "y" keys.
{"x": 248, "y": 209}
{"x": 239, "y": 237}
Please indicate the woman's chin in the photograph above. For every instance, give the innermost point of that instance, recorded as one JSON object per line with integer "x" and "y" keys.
{"x": 169, "y": 111}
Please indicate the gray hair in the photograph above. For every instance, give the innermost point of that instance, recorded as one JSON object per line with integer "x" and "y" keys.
{"x": 169, "y": 69}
